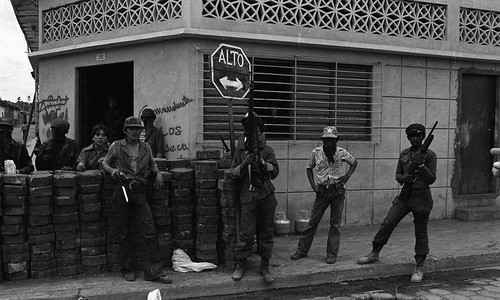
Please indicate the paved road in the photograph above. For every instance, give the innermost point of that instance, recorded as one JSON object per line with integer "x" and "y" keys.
{"x": 470, "y": 284}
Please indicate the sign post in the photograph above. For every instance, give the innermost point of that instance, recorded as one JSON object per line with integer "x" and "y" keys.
{"x": 231, "y": 75}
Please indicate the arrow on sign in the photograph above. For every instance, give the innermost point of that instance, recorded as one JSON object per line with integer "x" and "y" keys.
{"x": 238, "y": 85}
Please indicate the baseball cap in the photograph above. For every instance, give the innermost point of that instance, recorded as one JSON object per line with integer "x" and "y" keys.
{"x": 330, "y": 132}
{"x": 132, "y": 122}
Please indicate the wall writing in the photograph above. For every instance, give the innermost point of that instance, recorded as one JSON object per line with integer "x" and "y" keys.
{"x": 49, "y": 109}
{"x": 174, "y": 131}
{"x": 172, "y": 108}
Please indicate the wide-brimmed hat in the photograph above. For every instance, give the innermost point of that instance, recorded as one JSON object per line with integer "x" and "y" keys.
{"x": 132, "y": 122}
{"x": 330, "y": 132}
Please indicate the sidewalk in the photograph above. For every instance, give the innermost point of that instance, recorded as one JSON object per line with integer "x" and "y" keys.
{"x": 454, "y": 245}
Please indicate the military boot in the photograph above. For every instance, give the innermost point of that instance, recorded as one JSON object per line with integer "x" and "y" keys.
{"x": 240, "y": 270}
{"x": 264, "y": 270}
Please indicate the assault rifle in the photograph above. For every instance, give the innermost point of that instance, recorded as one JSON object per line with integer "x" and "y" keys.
{"x": 405, "y": 191}
{"x": 251, "y": 143}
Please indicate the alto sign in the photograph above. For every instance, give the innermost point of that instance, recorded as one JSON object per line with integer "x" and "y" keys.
{"x": 230, "y": 71}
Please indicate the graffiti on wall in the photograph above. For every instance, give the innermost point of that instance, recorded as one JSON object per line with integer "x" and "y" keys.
{"x": 176, "y": 140}
{"x": 49, "y": 109}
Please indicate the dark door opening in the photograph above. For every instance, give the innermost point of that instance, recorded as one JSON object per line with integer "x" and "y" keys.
{"x": 477, "y": 133}
{"x": 96, "y": 85}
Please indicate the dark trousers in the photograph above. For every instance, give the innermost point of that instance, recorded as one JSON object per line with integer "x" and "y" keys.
{"x": 257, "y": 218}
{"x": 397, "y": 212}
{"x": 139, "y": 207}
{"x": 324, "y": 198}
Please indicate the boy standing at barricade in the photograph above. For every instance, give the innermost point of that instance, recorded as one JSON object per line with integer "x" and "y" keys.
{"x": 327, "y": 161}
{"x": 134, "y": 161}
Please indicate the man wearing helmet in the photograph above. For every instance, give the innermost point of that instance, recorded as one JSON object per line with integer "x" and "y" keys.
{"x": 419, "y": 202}
{"x": 12, "y": 150}
{"x": 59, "y": 152}
{"x": 258, "y": 202}
{"x": 154, "y": 136}
{"x": 131, "y": 161}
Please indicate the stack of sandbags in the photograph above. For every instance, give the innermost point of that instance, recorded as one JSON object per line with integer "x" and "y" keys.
{"x": 66, "y": 224}
{"x": 159, "y": 203}
{"x": 207, "y": 210}
{"x": 40, "y": 229}
{"x": 92, "y": 225}
{"x": 15, "y": 245}
{"x": 110, "y": 217}
{"x": 182, "y": 210}
{"x": 1, "y": 214}
{"x": 227, "y": 202}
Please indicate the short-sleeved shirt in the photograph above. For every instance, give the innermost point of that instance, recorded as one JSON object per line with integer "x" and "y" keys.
{"x": 135, "y": 166}
{"x": 326, "y": 172}
{"x": 90, "y": 156}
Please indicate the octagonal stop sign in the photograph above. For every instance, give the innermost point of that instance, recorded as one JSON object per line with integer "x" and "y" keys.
{"x": 230, "y": 71}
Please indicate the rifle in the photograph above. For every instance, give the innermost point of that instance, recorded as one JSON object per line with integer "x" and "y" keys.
{"x": 224, "y": 144}
{"x": 251, "y": 143}
{"x": 406, "y": 190}
{"x": 123, "y": 179}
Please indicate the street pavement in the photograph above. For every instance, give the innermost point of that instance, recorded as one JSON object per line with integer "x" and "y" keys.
{"x": 453, "y": 245}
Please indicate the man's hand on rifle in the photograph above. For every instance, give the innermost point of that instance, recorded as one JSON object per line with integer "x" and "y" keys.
{"x": 249, "y": 159}
{"x": 408, "y": 178}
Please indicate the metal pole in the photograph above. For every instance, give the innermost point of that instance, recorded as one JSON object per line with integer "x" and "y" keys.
{"x": 231, "y": 127}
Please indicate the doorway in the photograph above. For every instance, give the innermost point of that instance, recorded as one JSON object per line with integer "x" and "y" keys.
{"x": 478, "y": 107}
{"x": 96, "y": 85}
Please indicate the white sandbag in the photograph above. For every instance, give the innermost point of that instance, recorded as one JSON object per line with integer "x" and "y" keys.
{"x": 181, "y": 262}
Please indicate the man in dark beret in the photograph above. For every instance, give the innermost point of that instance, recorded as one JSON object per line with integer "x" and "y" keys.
{"x": 419, "y": 202}
{"x": 59, "y": 152}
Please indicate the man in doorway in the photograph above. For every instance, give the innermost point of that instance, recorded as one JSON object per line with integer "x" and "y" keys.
{"x": 59, "y": 152}
{"x": 12, "y": 150}
{"x": 330, "y": 190}
{"x": 258, "y": 202}
{"x": 113, "y": 118}
{"x": 419, "y": 202}
{"x": 153, "y": 135}
{"x": 92, "y": 156}
{"x": 134, "y": 161}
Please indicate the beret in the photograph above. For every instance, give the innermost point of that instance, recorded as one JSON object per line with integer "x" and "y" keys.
{"x": 415, "y": 129}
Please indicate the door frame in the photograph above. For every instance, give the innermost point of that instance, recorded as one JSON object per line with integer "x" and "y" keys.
{"x": 473, "y": 199}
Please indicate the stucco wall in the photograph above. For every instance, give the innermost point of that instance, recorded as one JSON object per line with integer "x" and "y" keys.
{"x": 414, "y": 89}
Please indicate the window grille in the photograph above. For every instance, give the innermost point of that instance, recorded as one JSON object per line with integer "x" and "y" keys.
{"x": 97, "y": 16}
{"x": 479, "y": 27}
{"x": 297, "y": 98}
{"x": 386, "y": 17}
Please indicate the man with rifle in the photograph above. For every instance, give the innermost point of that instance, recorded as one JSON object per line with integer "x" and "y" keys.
{"x": 416, "y": 170}
{"x": 255, "y": 164}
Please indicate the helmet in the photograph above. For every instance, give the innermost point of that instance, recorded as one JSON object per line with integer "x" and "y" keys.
{"x": 148, "y": 113}
{"x": 62, "y": 124}
{"x": 6, "y": 121}
{"x": 132, "y": 122}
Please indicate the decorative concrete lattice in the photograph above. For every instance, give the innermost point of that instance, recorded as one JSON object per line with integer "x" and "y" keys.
{"x": 97, "y": 16}
{"x": 479, "y": 27}
{"x": 386, "y": 17}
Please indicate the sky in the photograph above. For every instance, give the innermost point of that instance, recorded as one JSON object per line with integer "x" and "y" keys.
{"x": 15, "y": 68}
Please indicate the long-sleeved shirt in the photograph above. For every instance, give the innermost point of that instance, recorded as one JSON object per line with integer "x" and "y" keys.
{"x": 55, "y": 156}
{"x": 424, "y": 176}
{"x": 269, "y": 172}
{"x": 19, "y": 154}
{"x": 136, "y": 166}
{"x": 90, "y": 156}
{"x": 155, "y": 139}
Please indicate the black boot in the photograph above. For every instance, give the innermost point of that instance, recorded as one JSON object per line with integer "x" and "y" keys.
{"x": 240, "y": 270}
{"x": 264, "y": 270}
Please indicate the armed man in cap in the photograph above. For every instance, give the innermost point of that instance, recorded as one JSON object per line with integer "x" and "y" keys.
{"x": 419, "y": 201}
{"x": 153, "y": 135}
{"x": 12, "y": 150}
{"x": 330, "y": 190}
{"x": 59, "y": 152}
{"x": 258, "y": 202}
{"x": 131, "y": 161}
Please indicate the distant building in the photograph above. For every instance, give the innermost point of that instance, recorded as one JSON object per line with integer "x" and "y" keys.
{"x": 11, "y": 110}
{"x": 369, "y": 67}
